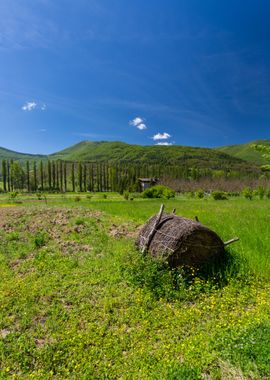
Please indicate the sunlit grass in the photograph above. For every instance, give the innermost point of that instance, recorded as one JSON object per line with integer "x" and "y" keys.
{"x": 77, "y": 302}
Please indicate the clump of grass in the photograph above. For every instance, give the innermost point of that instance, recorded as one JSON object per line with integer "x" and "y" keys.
{"x": 40, "y": 239}
{"x": 77, "y": 198}
{"x": 13, "y": 236}
{"x": 183, "y": 283}
{"x": 79, "y": 222}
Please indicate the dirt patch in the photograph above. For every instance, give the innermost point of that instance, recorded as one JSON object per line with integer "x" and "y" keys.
{"x": 55, "y": 222}
{"x": 127, "y": 230}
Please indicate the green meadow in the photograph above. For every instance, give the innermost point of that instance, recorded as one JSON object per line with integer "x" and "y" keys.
{"x": 78, "y": 301}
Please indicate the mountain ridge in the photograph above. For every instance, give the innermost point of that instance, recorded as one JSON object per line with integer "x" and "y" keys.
{"x": 226, "y": 157}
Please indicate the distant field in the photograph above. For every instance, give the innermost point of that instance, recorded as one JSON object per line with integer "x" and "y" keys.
{"x": 78, "y": 301}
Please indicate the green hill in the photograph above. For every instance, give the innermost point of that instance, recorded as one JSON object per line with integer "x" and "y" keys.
{"x": 246, "y": 152}
{"x": 154, "y": 154}
{"x": 103, "y": 151}
{"x": 6, "y": 154}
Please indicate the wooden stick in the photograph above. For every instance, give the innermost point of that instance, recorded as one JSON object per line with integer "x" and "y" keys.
{"x": 152, "y": 232}
{"x": 231, "y": 241}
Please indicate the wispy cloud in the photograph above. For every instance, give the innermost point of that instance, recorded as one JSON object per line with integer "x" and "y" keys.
{"x": 138, "y": 122}
{"x": 42, "y": 130}
{"x": 161, "y": 136}
{"x": 29, "y": 106}
{"x": 165, "y": 143}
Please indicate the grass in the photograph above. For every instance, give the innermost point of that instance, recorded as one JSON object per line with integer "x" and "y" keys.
{"x": 78, "y": 301}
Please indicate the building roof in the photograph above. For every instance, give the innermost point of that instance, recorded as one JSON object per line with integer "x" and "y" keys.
{"x": 148, "y": 179}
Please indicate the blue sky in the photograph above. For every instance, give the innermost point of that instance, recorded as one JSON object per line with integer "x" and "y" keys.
{"x": 187, "y": 72}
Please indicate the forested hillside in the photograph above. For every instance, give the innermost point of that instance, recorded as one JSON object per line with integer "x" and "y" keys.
{"x": 115, "y": 152}
{"x": 246, "y": 152}
{"x": 116, "y": 166}
{"x": 154, "y": 154}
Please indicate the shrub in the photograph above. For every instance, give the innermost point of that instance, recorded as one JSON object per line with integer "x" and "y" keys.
{"x": 39, "y": 195}
{"x": 159, "y": 191}
{"x": 261, "y": 192}
{"x": 40, "y": 239}
{"x": 105, "y": 196}
{"x": 126, "y": 195}
{"x": 199, "y": 193}
{"x": 219, "y": 195}
{"x": 233, "y": 193}
{"x": 247, "y": 193}
{"x": 77, "y": 198}
{"x": 13, "y": 194}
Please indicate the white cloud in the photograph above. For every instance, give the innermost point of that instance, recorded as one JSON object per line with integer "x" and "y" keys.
{"x": 161, "y": 136}
{"x": 141, "y": 126}
{"x": 138, "y": 122}
{"x": 165, "y": 143}
{"x": 29, "y": 106}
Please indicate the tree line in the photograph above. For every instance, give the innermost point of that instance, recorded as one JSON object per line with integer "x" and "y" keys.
{"x": 63, "y": 176}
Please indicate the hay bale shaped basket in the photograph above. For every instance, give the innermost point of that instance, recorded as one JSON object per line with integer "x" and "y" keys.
{"x": 180, "y": 241}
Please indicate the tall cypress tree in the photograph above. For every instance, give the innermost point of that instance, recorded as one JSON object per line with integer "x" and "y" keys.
{"x": 4, "y": 174}
{"x": 53, "y": 175}
{"x": 11, "y": 175}
{"x": 57, "y": 174}
{"x": 35, "y": 175}
{"x": 28, "y": 176}
{"x": 73, "y": 177}
{"x": 84, "y": 177}
{"x": 49, "y": 175}
{"x": 98, "y": 177}
{"x": 41, "y": 174}
{"x": 65, "y": 176}
{"x": 91, "y": 178}
{"x": 61, "y": 175}
{"x": 80, "y": 177}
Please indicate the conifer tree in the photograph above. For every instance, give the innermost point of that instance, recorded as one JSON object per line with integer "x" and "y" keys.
{"x": 98, "y": 177}
{"x": 80, "y": 177}
{"x": 4, "y": 174}
{"x": 84, "y": 177}
{"x": 91, "y": 178}
{"x": 57, "y": 174}
{"x": 8, "y": 175}
{"x": 41, "y": 175}
{"x": 35, "y": 175}
{"x": 73, "y": 177}
{"x": 61, "y": 175}
{"x": 28, "y": 176}
{"x": 53, "y": 175}
{"x": 65, "y": 176}
{"x": 11, "y": 175}
{"x": 49, "y": 175}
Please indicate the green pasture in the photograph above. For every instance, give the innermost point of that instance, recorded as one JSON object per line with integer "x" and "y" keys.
{"x": 78, "y": 301}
